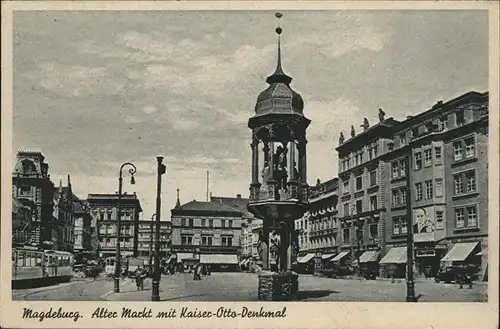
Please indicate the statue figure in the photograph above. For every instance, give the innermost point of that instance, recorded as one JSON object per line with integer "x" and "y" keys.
{"x": 262, "y": 248}
{"x": 341, "y": 138}
{"x": 365, "y": 124}
{"x": 265, "y": 173}
{"x": 295, "y": 171}
{"x": 280, "y": 174}
{"x": 353, "y": 133}
{"x": 274, "y": 246}
{"x": 295, "y": 244}
{"x": 381, "y": 115}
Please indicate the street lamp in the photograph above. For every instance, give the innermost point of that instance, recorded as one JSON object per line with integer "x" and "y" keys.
{"x": 410, "y": 283}
{"x": 151, "y": 245}
{"x": 132, "y": 171}
{"x": 155, "y": 293}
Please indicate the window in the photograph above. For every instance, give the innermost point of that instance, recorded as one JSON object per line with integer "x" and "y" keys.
{"x": 403, "y": 195}
{"x": 418, "y": 161}
{"x": 359, "y": 183}
{"x": 223, "y": 223}
{"x": 203, "y": 222}
{"x": 395, "y": 197}
{"x": 183, "y": 222}
{"x": 359, "y": 206}
{"x": 206, "y": 240}
{"x": 373, "y": 178}
{"x": 402, "y": 167}
{"x": 101, "y": 217}
{"x": 404, "y": 226}
{"x": 395, "y": 170}
{"x": 373, "y": 231}
{"x": 391, "y": 147}
{"x": 428, "y": 157}
{"x": 346, "y": 209}
{"x": 443, "y": 123}
{"x": 227, "y": 241}
{"x": 373, "y": 203}
{"x": 439, "y": 219}
{"x": 418, "y": 191}
{"x": 438, "y": 155}
{"x": 396, "y": 225}
{"x": 375, "y": 150}
{"x": 191, "y": 221}
{"x": 230, "y": 223}
{"x": 402, "y": 139}
{"x": 439, "y": 187}
{"x": 414, "y": 133}
{"x": 109, "y": 216}
{"x": 460, "y": 118}
{"x": 211, "y": 222}
{"x": 459, "y": 217}
{"x": 346, "y": 186}
{"x": 428, "y": 189}
{"x": 346, "y": 235}
{"x": 470, "y": 147}
{"x": 471, "y": 181}
{"x": 457, "y": 151}
{"x": 472, "y": 216}
{"x": 459, "y": 184}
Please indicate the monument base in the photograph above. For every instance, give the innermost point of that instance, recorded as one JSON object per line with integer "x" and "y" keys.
{"x": 278, "y": 286}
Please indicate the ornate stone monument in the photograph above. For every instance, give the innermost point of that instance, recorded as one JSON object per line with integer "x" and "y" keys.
{"x": 279, "y": 190}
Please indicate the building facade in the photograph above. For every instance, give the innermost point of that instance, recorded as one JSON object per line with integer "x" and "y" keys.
{"x": 83, "y": 227}
{"x": 63, "y": 230}
{"x": 146, "y": 238}
{"x": 433, "y": 166}
{"x": 32, "y": 186}
{"x": 207, "y": 232}
{"x": 104, "y": 212}
{"x": 21, "y": 222}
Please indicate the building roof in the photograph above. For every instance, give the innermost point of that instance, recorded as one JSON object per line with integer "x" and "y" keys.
{"x": 112, "y": 198}
{"x": 325, "y": 187}
{"x": 238, "y": 203}
{"x": 207, "y": 207}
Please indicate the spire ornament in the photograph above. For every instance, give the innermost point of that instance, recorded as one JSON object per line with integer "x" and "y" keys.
{"x": 279, "y": 75}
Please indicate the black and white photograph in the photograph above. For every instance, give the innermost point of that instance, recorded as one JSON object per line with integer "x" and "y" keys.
{"x": 250, "y": 156}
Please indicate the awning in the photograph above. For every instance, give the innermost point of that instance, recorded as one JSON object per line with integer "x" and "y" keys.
{"x": 369, "y": 256}
{"x": 184, "y": 255}
{"x": 327, "y": 256}
{"x": 459, "y": 252}
{"x": 305, "y": 259}
{"x": 244, "y": 262}
{"x": 218, "y": 259}
{"x": 396, "y": 255}
{"x": 340, "y": 256}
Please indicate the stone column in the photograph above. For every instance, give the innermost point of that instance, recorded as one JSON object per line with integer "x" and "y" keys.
{"x": 291, "y": 157}
{"x": 255, "y": 161}
{"x": 265, "y": 247}
{"x": 289, "y": 249}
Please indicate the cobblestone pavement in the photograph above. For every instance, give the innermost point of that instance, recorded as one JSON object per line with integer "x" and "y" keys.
{"x": 243, "y": 287}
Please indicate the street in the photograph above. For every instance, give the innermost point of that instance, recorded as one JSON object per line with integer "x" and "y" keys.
{"x": 243, "y": 287}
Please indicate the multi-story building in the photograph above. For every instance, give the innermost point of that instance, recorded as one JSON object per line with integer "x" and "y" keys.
{"x": 207, "y": 232}
{"x": 446, "y": 147}
{"x": 432, "y": 165}
{"x": 21, "y": 222}
{"x": 82, "y": 228}
{"x": 146, "y": 238}
{"x": 302, "y": 226}
{"x": 104, "y": 212}
{"x": 363, "y": 181}
{"x": 32, "y": 186}
{"x": 63, "y": 231}
{"x": 323, "y": 224}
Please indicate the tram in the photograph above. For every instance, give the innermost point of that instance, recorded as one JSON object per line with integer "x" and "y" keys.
{"x": 35, "y": 266}
{"x": 128, "y": 264}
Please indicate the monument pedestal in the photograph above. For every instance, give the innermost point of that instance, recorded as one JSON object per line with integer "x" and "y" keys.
{"x": 275, "y": 286}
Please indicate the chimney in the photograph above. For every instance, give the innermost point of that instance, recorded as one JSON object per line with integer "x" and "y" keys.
{"x": 238, "y": 196}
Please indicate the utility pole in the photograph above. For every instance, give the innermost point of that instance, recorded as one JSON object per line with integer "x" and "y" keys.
{"x": 155, "y": 294}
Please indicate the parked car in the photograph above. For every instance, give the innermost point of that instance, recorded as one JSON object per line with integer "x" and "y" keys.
{"x": 456, "y": 273}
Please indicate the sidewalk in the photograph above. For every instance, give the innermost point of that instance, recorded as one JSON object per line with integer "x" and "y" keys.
{"x": 171, "y": 287}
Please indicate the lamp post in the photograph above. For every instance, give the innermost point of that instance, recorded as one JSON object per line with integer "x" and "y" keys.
{"x": 151, "y": 245}
{"x": 132, "y": 171}
{"x": 155, "y": 293}
{"x": 410, "y": 283}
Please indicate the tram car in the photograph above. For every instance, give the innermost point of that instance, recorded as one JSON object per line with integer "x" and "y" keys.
{"x": 109, "y": 267}
{"x": 37, "y": 267}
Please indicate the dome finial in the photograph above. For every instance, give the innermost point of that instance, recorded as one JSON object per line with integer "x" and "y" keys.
{"x": 279, "y": 75}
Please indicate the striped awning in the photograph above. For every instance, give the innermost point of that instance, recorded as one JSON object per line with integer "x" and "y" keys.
{"x": 218, "y": 259}
{"x": 459, "y": 252}
{"x": 396, "y": 255}
{"x": 369, "y": 256}
{"x": 327, "y": 256}
{"x": 305, "y": 259}
{"x": 340, "y": 256}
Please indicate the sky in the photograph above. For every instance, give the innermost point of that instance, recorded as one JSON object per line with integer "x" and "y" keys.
{"x": 93, "y": 90}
